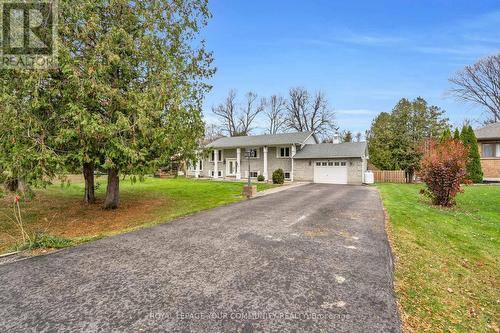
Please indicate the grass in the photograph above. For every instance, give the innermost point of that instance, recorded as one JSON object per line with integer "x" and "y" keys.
{"x": 59, "y": 214}
{"x": 447, "y": 259}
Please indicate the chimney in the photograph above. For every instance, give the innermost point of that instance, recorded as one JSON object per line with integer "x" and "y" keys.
{"x": 336, "y": 138}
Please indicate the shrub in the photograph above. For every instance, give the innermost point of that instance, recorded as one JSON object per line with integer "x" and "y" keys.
{"x": 42, "y": 240}
{"x": 278, "y": 176}
{"x": 443, "y": 169}
{"x": 260, "y": 178}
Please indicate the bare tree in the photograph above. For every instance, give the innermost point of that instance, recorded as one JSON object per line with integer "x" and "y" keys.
{"x": 358, "y": 136}
{"x": 480, "y": 84}
{"x": 306, "y": 113}
{"x": 236, "y": 122}
{"x": 227, "y": 112}
{"x": 212, "y": 132}
{"x": 275, "y": 113}
{"x": 249, "y": 112}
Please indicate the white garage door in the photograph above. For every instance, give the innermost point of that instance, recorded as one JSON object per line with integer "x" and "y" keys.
{"x": 330, "y": 172}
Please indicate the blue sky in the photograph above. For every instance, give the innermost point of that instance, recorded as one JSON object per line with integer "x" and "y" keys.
{"x": 364, "y": 55}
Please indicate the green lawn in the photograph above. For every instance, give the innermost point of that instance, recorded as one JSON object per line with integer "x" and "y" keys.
{"x": 447, "y": 260}
{"x": 59, "y": 211}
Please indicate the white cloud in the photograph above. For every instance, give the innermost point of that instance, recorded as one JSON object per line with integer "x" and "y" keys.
{"x": 368, "y": 39}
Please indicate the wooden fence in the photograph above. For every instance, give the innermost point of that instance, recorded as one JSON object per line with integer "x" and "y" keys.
{"x": 389, "y": 176}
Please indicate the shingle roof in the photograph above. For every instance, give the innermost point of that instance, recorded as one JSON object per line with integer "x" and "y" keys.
{"x": 332, "y": 150}
{"x": 491, "y": 131}
{"x": 260, "y": 140}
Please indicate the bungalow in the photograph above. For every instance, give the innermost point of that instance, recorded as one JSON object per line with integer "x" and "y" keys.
{"x": 299, "y": 155}
{"x": 488, "y": 138}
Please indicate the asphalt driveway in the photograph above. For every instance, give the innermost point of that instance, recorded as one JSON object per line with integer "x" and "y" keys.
{"x": 314, "y": 258}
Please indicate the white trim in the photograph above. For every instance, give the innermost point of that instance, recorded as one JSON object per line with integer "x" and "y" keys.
{"x": 265, "y": 174}
{"x": 238, "y": 163}
{"x": 228, "y": 162}
{"x": 304, "y": 142}
{"x": 251, "y": 171}
{"x": 220, "y": 153}
{"x": 257, "y": 153}
{"x": 278, "y": 152}
{"x": 219, "y": 172}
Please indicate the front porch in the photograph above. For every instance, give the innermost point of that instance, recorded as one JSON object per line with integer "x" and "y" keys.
{"x": 241, "y": 162}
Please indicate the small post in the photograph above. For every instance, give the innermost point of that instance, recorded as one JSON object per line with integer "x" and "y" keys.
{"x": 248, "y": 161}
{"x": 249, "y": 190}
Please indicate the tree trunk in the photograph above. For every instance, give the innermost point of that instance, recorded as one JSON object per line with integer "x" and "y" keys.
{"x": 410, "y": 173}
{"x": 12, "y": 184}
{"x": 88, "y": 175}
{"x": 113, "y": 190}
{"x": 18, "y": 185}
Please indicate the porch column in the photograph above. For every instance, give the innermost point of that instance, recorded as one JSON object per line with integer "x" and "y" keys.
{"x": 265, "y": 164}
{"x": 294, "y": 151}
{"x": 216, "y": 163}
{"x": 197, "y": 169}
{"x": 238, "y": 163}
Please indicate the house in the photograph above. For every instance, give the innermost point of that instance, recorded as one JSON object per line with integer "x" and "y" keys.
{"x": 488, "y": 138}
{"x": 300, "y": 155}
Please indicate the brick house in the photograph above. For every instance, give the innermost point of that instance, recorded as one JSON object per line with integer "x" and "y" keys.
{"x": 488, "y": 138}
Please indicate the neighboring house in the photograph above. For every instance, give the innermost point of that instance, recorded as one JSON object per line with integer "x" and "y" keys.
{"x": 488, "y": 138}
{"x": 300, "y": 156}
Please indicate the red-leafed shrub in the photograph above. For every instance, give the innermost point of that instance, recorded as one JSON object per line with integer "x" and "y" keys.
{"x": 443, "y": 168}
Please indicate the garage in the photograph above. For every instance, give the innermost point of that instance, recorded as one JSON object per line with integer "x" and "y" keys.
{"x": 331, "y": 163}
{"x": 330, "y": 172}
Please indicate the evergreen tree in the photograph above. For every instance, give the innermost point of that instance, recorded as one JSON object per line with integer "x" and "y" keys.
{"x": 446, "y": 136}
{"x": 126, "y": 96}
{"x": 456, "y": 135}
{"x": 395, "y": 138}
{"x": 469, "y": 139}
{"x": 379, "y": 137}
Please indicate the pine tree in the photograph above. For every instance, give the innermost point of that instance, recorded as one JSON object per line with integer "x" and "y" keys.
{"x": 469, "y": 139}
{"x": 456, "y": 135}
{"x": 446, "y": 136}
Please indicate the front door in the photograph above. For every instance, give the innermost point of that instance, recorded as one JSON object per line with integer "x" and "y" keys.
{"x": 231, "y": 167}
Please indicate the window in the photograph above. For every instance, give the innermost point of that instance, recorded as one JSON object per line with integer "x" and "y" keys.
{"x": 219, "y": 155}
{"x": 254, "y": 174}
{"x": 219, "y": 173}
{"x": 284, "y": 152}
{"x": 343, "y": 163}
{"x": 491, "y": 150}
{"x": 254, "y": 152}
{"x": 287, "y": 175}
{"x": 318, "y": 163}
{"x": 337, "y": 163}
{"x": 330, "y": 163}
{"x": 192, "y": 165}
{"x": 323, "y": 163}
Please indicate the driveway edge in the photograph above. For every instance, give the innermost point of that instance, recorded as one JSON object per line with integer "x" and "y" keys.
{"x": 393, "y": 260}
